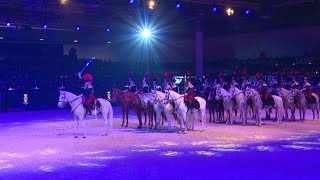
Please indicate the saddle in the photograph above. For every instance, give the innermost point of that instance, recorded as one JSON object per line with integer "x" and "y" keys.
{"x": 269, "y": 101}
{"x": 311, "y": 100}
{"x": 193, "y": 105}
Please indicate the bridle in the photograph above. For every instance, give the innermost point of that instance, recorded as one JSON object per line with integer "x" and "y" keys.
{"x": 168, "y": 99}
{"x": 65, "y": 100}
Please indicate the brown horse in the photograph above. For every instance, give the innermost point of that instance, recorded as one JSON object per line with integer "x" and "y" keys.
{"x": 128, "y": 100}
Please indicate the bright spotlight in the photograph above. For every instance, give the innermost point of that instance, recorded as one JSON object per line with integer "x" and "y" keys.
{"x": 8, "y": 24}
{"x": 146, "y": 33}
{"x": 178, "y": 5}
{"x": 131, "y": 1}
{"x": 78, "y": 28}
{"x": 215, "y": 9}
{"x": 45, "y": 26}
{"x": 247, "y": 12}
{"x": 230, "y": 11}
{"x": 151, "y": 4}
{"x": 63, "y": 2}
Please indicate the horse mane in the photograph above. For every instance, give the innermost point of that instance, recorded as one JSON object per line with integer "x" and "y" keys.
{"x": 224, "y": 90}
{"x": 175, "y": 93}
{"x": 70, "y": 93}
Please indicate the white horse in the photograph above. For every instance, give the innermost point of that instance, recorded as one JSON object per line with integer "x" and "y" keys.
{"x": 287, "y": 102}
{"x": 240, "y": 102}
{"x": 79, "y": 112}
{"x": 159, "y": 106}
{"x": 300, "y": 102}
{"x": 252, "y": 98}
{"x": 315, "y": 106}
{"x": 228, "y": 103}
{"x": 278, "y": 108}
{"x": 181, "y": 109}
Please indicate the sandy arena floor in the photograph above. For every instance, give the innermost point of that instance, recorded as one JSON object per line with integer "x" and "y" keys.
{"x": 40, "y": 145}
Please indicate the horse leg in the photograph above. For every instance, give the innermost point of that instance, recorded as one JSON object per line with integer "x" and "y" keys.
{"x": 313, "y": 112}
{"x": 127, "y": 117}
{"x": 123, "y": 114}
{"x": 145, "y": 117}
{"x": 83, "y": 128}
{"x": 76, "y": 121}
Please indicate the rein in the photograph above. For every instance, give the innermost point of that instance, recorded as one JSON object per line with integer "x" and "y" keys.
{"x": 72, "y": 101}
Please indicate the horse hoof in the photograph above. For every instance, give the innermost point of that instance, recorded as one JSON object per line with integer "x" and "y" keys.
{"x": 75, "y": 137}
{"x": 84, "y": 137}
{"x": 126, "y": 125}
{"x": 139, "y": 126}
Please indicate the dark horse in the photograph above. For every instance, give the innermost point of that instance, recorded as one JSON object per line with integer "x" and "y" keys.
{"x": 215, "y": 105}
{"x": 128, "y": 100}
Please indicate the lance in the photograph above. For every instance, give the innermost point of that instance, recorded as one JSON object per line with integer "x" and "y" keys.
{"x": 85, "y": 67}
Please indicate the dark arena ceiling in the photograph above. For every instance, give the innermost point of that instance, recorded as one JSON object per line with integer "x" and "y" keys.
{"x": 94, "y": 17}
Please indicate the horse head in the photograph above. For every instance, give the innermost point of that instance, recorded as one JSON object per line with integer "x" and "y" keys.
{"x": 62, "y": 99}
{"x": 116, "y": 94}
{"x": 218, "y": 93}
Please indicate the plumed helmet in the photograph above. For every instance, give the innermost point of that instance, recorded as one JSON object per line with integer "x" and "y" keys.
{"x": 88, "y": 77}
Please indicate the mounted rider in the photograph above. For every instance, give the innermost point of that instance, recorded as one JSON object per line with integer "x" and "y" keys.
{"x": 145, "y": 86}
{"x": 174, "y": 87}
{"x": 206, "y": 86}
{"x": 307, "y": 92}
{"x": 189, "y": 99}
{"x": 273, "y": 86}
{"x": 166, "y": 82}
{"x": 234, "y": 79}
{"x": 132, "y": 87}
{"x": 265, "y": 96}
{"x": 88, "y": 94}
{"x": 156, "y": 86}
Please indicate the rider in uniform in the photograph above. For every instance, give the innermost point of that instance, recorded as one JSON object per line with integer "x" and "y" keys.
{"x": 156, "y": 86}
{"x": 174, "y": 87}
{"x": 266, "y": 97}
{"x": 132, "y": 86}
{"x": 189, "y": 93}
{"x": 308, "y": 94}
{"x": 274, "y": 86}
{"x": 166, "y": 82}
{"x": 88, "y": 97}
{"x": 206, "y": 86}
{"x": 145, "y": 86}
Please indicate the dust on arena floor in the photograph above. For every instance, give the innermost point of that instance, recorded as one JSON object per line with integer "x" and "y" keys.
{"x": 38, "y": 143}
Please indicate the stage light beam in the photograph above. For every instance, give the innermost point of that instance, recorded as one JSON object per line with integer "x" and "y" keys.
{"x": 146, "y": 34}
{"x": 230, "y": 11}
{"x": 151, "y": 4}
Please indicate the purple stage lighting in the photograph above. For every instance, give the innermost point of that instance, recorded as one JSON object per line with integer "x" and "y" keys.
{"x": 45, "y": 26}
{"x": 131, "y": 1}
{"x": 8, "y": 24}
{"x": 78, "y": 28}
{"x": 247, "y": 12}
{"x": 108, "y": 29}
{"x": 178, "y": 5}
{"x": 214, "y": 9}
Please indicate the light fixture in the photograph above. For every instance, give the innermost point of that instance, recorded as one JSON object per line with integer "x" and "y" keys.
{"x": 63, "y": 2}
{"x": 109, "y": 42}
{"x": 41, "y": 39}
{"x": 8, "y": 24}
{"x": 1, "y": 38}
{"x": 146, "y": 33}
{"x": 75, "y": 41}
{"x": 78, "y": 28}
{"x": 151, "y": 4}
{"x": 230, "y": 11}
{"x": 131, "y": 1}
{"x": 215, "y": 8}
{"x": 178, "y": 5}
{"x": 45, "y": 26}
{"x": 248, "y": 12}
{"x": 108, "y": 29}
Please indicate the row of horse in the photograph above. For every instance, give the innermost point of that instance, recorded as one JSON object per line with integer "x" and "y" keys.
{"x": 158, "y": 107}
